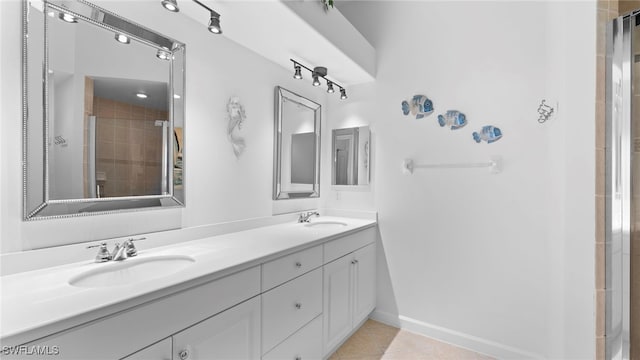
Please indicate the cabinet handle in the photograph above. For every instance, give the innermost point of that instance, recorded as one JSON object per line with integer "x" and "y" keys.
{"x": 298, "y": 358}
{"x": 353, "y": 262}
{"x": 184, "y": 354}
{"x": 298, "y": 306}
{"x": 298, "y": 264}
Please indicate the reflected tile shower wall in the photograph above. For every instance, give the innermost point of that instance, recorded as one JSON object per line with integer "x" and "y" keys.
{"x": 128, "y": 148}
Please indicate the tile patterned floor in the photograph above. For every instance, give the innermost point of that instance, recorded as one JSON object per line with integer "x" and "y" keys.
{"x": 376, "y": 341}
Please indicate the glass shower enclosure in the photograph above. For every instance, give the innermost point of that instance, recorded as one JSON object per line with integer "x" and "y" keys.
{"x": 622, "y": 208}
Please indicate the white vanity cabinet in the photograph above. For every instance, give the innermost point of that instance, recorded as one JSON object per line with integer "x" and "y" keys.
{"x": 349, "y": 294}
{"x": 301, "y": 305}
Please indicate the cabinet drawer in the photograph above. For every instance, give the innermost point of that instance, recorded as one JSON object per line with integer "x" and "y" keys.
{"x": 288, "y": 307}
{"x": 344, "y": 245}
{"x": 158, "y": 351}
{"x": 288, "y": 267}
{"x": 305, "y": 344}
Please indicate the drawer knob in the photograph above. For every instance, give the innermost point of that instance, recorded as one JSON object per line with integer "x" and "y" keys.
{"x": 298, "y": 306}
{"x": 184, "y": 354}
{"x": 298, "y": 264}
{"x": 298, "y": 358}
{"x": 353, "y": 262}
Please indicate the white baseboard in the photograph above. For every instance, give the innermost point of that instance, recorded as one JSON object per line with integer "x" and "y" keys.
{"x": 470, "y": 342}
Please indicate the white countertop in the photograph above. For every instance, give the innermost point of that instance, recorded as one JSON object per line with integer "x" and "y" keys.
{"x": 41, "y": 302}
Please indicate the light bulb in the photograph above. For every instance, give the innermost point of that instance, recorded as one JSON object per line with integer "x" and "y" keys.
{"x": 171, "y": 5}
{"x": 298, "y": 74}
{"x": 122, "y": 39}
{"x": 214, "y": 24}
{"x": 330, "y": 87}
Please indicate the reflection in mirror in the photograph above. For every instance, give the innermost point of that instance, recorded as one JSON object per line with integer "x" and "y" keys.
{"x": 110, "y": 106}
{"x": 297, "y": 147}
{"x": 351, "y": 164}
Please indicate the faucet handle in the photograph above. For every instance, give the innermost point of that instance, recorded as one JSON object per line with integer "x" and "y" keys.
{"x": 130, "y": 248}
{"x": 103, "y": 252}
{"x": 302, "y": 217}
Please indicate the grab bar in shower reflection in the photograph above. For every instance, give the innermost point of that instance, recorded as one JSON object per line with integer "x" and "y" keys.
{"x": 495, "y": 165}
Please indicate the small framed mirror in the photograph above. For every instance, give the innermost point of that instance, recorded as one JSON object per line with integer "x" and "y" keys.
{"x": 103, "y": 112}
{"x": 351, "y": 156}
{"x": 296, "y": 146}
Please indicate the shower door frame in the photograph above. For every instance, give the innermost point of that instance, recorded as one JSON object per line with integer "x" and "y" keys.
{"x": 618, "y": 184}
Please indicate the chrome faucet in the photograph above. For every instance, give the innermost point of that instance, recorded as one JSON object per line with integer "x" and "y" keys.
{"x": 119, "y": 253}
{"x": 304, "y": 217}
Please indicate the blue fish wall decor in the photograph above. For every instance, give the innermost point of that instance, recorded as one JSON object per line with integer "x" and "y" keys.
{"x": 419, "y": 105}
{"x": 453, "y": 118}
{"x": 488, "y": 133}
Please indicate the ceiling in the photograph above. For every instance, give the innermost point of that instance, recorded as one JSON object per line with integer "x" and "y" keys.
{"x": 299, "y": 30}
{"x": 125, "y": 90}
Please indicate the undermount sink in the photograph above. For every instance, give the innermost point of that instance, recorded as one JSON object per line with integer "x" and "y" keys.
{"x": 131, "y": 271}
{"x": 325, "y": 224}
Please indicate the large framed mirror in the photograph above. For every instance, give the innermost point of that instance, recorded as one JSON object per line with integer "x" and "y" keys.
{"x": 296, "y": 146}
{"x": 103, "y": 112}
{"x": 351, "y": 156}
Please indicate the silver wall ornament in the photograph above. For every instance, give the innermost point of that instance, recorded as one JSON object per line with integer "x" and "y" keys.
{"x": 60, "y": 140}
{"x": 545, "y": 112}
{"x": 236, "y": 115}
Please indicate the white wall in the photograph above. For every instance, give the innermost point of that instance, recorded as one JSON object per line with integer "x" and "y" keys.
{"x": 219, "y": 187}
{"x": 498, "y": 263}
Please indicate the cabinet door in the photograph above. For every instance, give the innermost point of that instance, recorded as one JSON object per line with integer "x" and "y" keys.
{"x": 337, "y": 302}
{"x": 232, "y": 334}
{"x": 364, "y": 291}
{"x": 158, "y": 351}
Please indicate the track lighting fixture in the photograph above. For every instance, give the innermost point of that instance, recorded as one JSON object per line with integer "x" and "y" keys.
{"x": 214, "y": 17}
{"x": 214, "y": 23}
{"x": 298, "y": 74}
{"x": 330, "y": 87}
{"x": 317, "y": 73}
{"x": 343, "y": 94}
{"x": 171, "y": 5}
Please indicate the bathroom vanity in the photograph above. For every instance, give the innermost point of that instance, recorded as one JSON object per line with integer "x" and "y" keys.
{"x": 287, "y": 291}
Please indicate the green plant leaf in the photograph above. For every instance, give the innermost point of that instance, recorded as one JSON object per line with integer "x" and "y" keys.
{"x": 327, "y": 3}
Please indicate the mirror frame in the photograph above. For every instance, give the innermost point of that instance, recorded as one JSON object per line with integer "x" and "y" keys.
{"x": 63, "y": 208}
{"x": 282, "y": 95}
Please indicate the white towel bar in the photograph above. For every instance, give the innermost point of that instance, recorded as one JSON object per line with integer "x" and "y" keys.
{"x": 495, "y": 165}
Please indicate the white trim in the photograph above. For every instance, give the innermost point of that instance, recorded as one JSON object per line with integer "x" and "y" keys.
{"x": 470, "y": 342}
